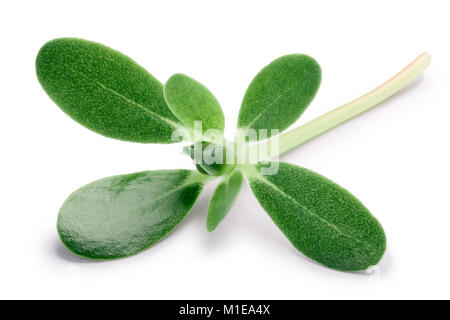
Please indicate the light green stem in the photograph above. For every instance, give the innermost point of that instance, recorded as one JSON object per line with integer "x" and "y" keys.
{"x": 312, "y": 129}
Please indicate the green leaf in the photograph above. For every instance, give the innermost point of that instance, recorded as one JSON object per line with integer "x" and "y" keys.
{"x": 223, "y": 199}
{"x": 123, "y": 215}
{"x": 190, "y": 101}
{"x": 321, "y": 219}
{"x": 211, "y": 158}
{"x": 105, "y": 91}
{"x": 279, "y": 94}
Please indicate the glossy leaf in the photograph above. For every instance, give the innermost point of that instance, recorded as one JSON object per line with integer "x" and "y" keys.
{"x": 321, "y": 219}
{"x": 211, "y": 158}
{"x": 122, "y": 215}
{"x": 223, "y": 199}
{"x": 190, "y": 101}
{"x": 279, "y": 94}
{"x": 105, "y": 91}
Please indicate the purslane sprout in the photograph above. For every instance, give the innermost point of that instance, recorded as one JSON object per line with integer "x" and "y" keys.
{"x": 120, "y": 216}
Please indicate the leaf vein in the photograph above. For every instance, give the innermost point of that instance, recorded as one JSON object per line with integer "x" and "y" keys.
{"x": 307, "y": 210}
{"x": 268, "y": 108}
{"x": 151, "y": 113}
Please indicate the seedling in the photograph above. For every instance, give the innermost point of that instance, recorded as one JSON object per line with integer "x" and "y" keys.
{"x": 123, "y": 215}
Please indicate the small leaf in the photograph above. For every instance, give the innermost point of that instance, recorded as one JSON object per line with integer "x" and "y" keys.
{"x": 211, "y": 158}
{"x": 321, "y": 219}
{"x": 279, "y": 94}
{"x": 190, "y": 101}
{"x": 123, "y": 215}
{"x": 105, "y": 91}
{"x": 223, "y": 199}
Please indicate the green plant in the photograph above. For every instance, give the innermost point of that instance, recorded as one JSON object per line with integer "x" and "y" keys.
{"x": 122, "y": 215}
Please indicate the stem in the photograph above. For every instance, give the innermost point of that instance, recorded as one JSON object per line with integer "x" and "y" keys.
{"x": 312, "y": 129}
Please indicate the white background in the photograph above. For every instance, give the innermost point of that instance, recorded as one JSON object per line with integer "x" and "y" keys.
{"x": 395, "y": 158}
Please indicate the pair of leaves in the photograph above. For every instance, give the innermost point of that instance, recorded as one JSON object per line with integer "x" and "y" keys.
{"x": 110, "y": 94}
{"x": 120, "y": 216}
{"x": 123, "y": 215}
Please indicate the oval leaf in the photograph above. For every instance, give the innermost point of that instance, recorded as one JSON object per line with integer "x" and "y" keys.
{"x": 105, "y": 91}
{"x": 321, "y": 219}
{"x": 190, "y": 101}
{"x": 122, "y": 215}
{"x": 223, "y": 199}
{"x": 279, "y": 94}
